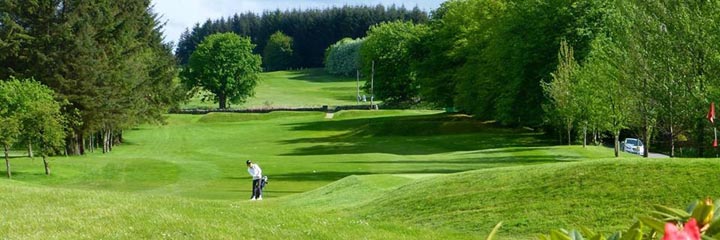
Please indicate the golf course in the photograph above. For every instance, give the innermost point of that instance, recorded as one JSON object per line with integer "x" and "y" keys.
{"x": 362, "y": 174}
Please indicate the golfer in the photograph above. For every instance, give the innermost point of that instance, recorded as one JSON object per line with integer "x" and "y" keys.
{"x": 256, "y": 173}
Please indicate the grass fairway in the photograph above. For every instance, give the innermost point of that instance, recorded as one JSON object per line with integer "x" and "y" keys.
{"x": 380, "y": 175}
{"x": 385, "y": 174}
{"x": 304, "y": 88}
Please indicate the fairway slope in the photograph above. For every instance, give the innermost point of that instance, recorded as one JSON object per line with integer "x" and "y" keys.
{"x": 35, "y": 212}
{"x": 602, "y": 194}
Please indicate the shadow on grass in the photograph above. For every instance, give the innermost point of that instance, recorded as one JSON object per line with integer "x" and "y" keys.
{"x": 329, "y": 176}
{"x": 510, "y": 161}
{"x": 410, "y": 135}
{"x": 318, "y": 75}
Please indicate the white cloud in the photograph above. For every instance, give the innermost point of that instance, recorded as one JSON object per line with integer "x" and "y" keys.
{"x": 182, "y": 14}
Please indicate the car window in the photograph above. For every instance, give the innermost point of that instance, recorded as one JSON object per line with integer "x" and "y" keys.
{"x": 631, "y": 142}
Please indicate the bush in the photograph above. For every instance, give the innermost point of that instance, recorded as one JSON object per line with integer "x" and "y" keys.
{"x": 343, "y": 57}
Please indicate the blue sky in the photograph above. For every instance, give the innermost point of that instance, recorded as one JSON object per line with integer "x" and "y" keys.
{"x": 181, "y": 14}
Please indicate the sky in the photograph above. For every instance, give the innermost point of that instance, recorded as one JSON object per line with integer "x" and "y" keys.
{"x": 182, "y": 14}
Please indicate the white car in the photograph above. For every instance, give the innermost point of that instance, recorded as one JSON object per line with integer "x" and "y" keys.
{"x": 633, "y": 145}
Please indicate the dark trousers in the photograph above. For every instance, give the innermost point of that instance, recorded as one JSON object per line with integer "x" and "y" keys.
{"x": 257, "y": 189}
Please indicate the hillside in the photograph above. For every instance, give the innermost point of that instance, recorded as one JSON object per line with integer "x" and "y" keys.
{"x": 304, "y": 88}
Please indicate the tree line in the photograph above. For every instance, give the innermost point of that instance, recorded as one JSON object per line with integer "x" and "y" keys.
{"x": 312, "y": 31}
{"x": 581, "y": 69}
{"x": 105, "y": 62}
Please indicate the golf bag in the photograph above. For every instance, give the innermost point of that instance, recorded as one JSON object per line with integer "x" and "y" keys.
{"x": 263, "y": 182}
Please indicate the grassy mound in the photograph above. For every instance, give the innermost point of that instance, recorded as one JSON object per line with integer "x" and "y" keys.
{"x": 350, "y": 191}
{"x": 603, "y": 195}
{"x": 32, "y": 212}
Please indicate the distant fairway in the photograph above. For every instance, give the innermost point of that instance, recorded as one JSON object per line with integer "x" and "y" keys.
{"x": 388, "y": 174}
{"x": 305, "y": 88}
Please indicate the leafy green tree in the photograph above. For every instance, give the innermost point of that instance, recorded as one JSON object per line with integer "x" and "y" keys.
{"x": 106, "y": 58}
{"x": 27, "y": 108}
{"x": 43, "y": 122}
{"x": 278, "y": 54}
{"x": 224, "y": 65}
{"x": 312, "y": 30}
{"x": 343, "y": 57}
{"x": 562, "y": 89}
{"x": 388, "y": 45}
{"x": 9, "y": 121}
{"x": 603, "y": 80}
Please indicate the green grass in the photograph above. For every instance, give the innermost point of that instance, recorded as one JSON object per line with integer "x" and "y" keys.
{"x": 305, "y": 88}
{"x": 386, "y": 174}
{"x": 395, "y": 169}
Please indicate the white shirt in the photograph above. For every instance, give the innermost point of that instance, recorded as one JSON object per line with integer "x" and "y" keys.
{"x": 255, "y": 171}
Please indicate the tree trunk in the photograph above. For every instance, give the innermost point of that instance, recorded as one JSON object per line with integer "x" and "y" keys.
{"x": 7, "y": 160}
{"x": 221, "y": 99}
{"x": 30, "y": 151}
{"x": 672, "y": 141}
{"x": 79, "y": 143}
{"x": 111, "y": 141}
{"x": 648, "y": 136}
{"x": 569, "y": 134}
{"x": 585, "y": 136}
{"x": 105, "y": 141}
{"x": 617, "y": 143}
{"x": 47, "y": 165}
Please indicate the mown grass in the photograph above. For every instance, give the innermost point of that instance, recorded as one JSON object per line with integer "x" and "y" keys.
{"x": 387, "y": 174}
{"x": 304, "y": 88}
{"x": 402, "y": 174}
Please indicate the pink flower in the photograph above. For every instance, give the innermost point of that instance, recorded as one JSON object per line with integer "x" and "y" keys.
{"x": 689, "y": 232}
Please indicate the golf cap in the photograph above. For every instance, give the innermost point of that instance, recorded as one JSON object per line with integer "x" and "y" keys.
{"x": 248, "y": 162}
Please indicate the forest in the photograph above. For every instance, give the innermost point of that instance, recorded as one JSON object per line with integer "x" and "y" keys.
{"x": 104, "y": 61}
{"x": 312, "y": 30}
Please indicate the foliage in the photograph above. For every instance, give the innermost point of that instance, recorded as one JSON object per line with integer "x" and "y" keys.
{"x": 106, "y": 58}
{"x": 343, "y": 57}
{"x": 478, "y": 62}
{"x": 388, "y": 46}
{"x": 312, "y": 30}
{"x": 30, "y": 111}
{"x": 561, "y": 90}
{"x": 224, "y": 65}
{"x": 278, "y": 53}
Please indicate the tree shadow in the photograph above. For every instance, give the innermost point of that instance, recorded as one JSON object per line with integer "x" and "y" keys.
{"x": 410, "y": 135}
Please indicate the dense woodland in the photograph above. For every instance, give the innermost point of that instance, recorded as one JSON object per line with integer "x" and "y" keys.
{"x": 312, "y": 30}
{"x": 105, "y": 61}
{"x": 585, "y": 70}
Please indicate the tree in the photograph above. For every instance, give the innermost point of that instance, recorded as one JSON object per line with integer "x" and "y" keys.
{"x": 388, "y": 45}
{"x": 312, "y": 30}
{"x": 43, "y": 122}
{"x": 563, "y": 88}
{"x": 224, "y": 65}
{"x": 278, "y": 54}
{"x": 603, "y": 80}
{"x": 106, "y": 58}
{"x": 27, "y": 108}
{"x": 343, "y": 57}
